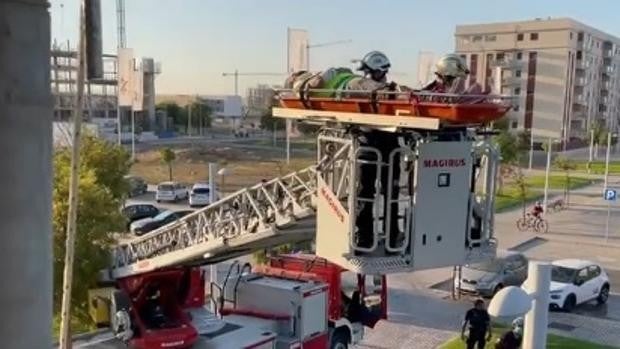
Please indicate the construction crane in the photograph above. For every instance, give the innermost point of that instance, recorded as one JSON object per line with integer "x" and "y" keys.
{"x": 236, "y": 75}
{"x": 323, "y": 44}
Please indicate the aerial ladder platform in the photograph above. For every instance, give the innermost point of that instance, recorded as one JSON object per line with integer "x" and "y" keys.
{"x": 443, "y": 174}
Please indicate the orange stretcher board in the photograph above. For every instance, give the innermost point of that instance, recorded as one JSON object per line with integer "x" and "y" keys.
{"x": 449, "y": 109}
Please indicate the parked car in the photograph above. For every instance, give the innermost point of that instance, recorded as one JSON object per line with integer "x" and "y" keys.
{"x": 576, "y": 281}
{"x": 485, "y": 279}
{"x": 170, "y": 191}
{"x": 146, "y": 225}
{"x": 138, "y": 211}
{"x": 200, "y": 195}
{"x": 137, "y": 186}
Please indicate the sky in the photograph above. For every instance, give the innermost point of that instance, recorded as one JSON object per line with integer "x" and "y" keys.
{"x": 197, "y": 40}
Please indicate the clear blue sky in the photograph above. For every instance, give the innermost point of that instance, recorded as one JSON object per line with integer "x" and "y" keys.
{"x": 197, "y": 40}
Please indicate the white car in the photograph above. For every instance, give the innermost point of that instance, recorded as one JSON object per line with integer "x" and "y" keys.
{"x": 200, "y": 195}
{"x": 576, "y": 281}
{"x": 170, "y": 191}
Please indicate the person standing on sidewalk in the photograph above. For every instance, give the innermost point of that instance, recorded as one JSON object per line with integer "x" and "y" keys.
{"x": 479, "y": 326}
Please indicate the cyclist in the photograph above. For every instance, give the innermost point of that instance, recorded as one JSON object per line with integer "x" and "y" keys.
{"x": 537, "y": 210}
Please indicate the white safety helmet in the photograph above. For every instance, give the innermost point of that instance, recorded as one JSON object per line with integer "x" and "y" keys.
{"x": 451, "y": 65}
{"x": 375, "y": 61}
{"x": 517, "y": 325}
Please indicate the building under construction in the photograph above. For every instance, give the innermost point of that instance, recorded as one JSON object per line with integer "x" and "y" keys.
{"x": 100, "y": 99}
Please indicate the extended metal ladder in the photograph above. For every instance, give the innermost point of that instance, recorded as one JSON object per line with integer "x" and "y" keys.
{"x": 279, "y": 211}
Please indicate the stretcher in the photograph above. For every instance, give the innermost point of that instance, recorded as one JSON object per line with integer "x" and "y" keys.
{"x": 453, "y": 109}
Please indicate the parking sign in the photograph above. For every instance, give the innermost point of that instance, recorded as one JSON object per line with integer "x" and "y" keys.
{"x": 610, "y": 194}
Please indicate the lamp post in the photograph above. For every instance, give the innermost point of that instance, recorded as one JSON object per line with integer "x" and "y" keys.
{"x": 531, "y": 301}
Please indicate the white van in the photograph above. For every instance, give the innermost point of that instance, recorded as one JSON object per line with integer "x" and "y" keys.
{"x": 170, "y": 191}
{"x": 200, "y": 195}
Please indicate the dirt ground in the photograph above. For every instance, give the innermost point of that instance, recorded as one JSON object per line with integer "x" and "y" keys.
{"x": 245, "y": 166}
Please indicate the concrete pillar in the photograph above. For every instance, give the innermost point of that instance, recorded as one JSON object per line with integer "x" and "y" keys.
{"x": 25, "y": 175}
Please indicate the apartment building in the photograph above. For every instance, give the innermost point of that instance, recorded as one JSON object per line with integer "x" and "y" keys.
{"x": 565, "y": 75}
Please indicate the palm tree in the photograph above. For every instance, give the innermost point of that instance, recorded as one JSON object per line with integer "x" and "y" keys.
{"x": 167, "y": 157}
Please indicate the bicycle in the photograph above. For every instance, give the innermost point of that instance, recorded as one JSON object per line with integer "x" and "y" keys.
{"x": 528, "y": 221}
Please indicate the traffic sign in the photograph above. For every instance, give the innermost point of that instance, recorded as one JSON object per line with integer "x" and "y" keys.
{"x": 610, "y": 195}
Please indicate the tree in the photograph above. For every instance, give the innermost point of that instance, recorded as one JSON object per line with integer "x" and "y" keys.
{"x": 167, "y": 157}
{"x": 201, "y": 114}
{"x": 522, "y": 187}
{"x": 509, "y": 152}
{"x": 566, "y": 165}
{"x": 174, "y": 111}
{"x": 101, "y": 191}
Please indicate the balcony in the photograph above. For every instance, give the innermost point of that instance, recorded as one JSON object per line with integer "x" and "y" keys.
{"x": 582, "y": 64}
{"x": 608, "y": 53}
{"x": 511, "y": 81}
{"x": 507, "y": 63}
{"x": 580, "y": 99}
{"x": 606, "y": 85}
{"x": 581, "y": 81}
{"x": 609, "y": 69}
{"x": 605, "y": 100}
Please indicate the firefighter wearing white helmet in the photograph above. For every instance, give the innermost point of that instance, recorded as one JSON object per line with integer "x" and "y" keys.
{"x": 375, "y": 65}
{"x": 450, "y": 72}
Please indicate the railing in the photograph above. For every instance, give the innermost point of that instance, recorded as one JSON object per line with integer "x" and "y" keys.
{"x": 262, "y": 208}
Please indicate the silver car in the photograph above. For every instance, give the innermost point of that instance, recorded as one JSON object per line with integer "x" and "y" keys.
{"x": 485, "y": 279}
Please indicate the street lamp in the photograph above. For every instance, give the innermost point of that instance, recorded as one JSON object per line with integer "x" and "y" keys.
{"x": 532, "y": 300}
{"x": 223, "y": 172}
{"x": 547, "y": 170}
{"x": 607, "y": 156}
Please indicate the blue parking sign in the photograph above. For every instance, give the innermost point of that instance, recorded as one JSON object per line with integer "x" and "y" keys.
{"x": 610, "y": 194}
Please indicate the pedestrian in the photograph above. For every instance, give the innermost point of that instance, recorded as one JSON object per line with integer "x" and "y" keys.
{"x": 513, "y": 338}
{"x": 479, "y": 323}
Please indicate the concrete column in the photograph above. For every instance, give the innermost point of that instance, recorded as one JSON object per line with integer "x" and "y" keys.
{"x": 25, "y": 175}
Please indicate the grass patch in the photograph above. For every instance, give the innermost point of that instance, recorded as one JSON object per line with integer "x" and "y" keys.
{"x": 77, "y": 327}
{"x": 553, "y": 342}
{"x": 557, "y": 182}
{"x": 510, "y": 196}
{"x": 598, "y": 167}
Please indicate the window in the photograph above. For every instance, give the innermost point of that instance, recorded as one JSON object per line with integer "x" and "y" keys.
{"x": 490, "y": 38}
{"x": 520, "y": 37}
{"x": 515, "y": 107}
{"x": 570, "y": 35}
{"x": 583, "y": 275}
{"x": 580, "y": 36}
{"x": 477, "y": 38}
{"x": 519, "y": 55}
{"x": 533, "y": 36}
{"x": 515, "y": 124}
{"x": 518, "y": 73}
{"x": 594, "y": 271}
{"x": 579, "y": 54}
{"x": 517, "y": 91}
{"x": 499, "y": 56}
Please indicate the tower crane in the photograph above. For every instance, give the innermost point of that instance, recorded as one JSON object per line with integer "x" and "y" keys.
{"x": 236, "y": 75}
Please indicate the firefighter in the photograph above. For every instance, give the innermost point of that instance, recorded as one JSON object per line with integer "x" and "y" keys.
{"x": 375, "y": 65}
{"x": 450, "y": 75}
